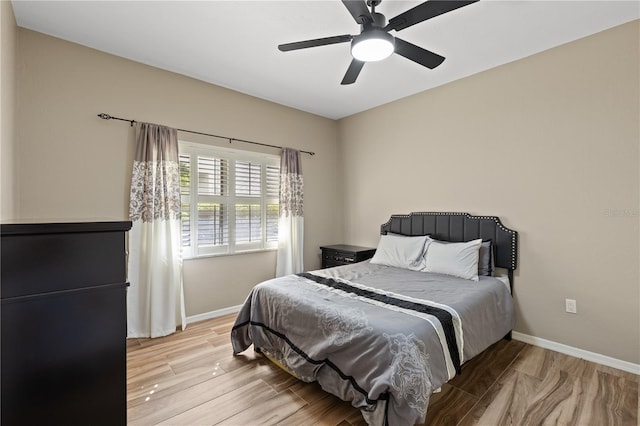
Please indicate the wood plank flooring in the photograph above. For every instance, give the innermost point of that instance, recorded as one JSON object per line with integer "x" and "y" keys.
{"x": 192, "y": 378}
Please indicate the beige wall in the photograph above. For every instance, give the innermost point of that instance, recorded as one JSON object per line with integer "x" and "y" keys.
{"x": 549, "y": 143}
{"x": 73, "y": 165}
{"x": 7, "y": 117}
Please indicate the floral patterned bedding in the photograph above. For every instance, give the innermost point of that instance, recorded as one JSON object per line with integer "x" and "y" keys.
{"x": 380, "y": 337}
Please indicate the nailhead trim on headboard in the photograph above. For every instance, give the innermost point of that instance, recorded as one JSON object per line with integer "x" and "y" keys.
{"x": 513, "y": 235}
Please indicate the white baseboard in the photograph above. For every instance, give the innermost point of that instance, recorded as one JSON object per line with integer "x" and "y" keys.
{"x": 578, "y": 353}
{"x": 213, "y": 314}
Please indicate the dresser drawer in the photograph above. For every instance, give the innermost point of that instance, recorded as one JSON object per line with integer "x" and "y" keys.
{"x": 34, "y": 264}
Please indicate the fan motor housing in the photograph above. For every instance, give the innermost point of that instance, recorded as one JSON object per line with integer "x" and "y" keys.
{"x": 379, "y": 20}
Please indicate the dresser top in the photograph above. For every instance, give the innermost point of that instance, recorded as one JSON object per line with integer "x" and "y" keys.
{"x": 62, "y": 227}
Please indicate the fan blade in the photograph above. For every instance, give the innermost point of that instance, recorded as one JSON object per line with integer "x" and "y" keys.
{"x": 359, "y": 10}
{"x": 315, "y": 42}
{"x": 418, "y": 54}
{"x": 352, "y": 72}
{"x": 424, "y": 11}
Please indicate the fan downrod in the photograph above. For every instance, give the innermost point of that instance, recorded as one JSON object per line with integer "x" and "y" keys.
{"x": 379, "y": 19}
{"x": 373, "y": 4}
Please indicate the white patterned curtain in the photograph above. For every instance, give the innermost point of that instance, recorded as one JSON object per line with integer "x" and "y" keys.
{"x": 155, "y": 301}
{"x": 291, "y": 221}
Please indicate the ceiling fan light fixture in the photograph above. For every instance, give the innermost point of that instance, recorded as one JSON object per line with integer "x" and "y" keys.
{"x": 372, "y": 45}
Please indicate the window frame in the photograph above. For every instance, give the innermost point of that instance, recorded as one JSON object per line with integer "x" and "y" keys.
{"x": 230, "y": 201}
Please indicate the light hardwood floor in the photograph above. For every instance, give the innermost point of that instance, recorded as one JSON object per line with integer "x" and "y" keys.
{"x": 192, "y": 378}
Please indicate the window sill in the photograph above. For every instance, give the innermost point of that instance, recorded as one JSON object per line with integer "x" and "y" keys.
{"x": 238, "y": 253}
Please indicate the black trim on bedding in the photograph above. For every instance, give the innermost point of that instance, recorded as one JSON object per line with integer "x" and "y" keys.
{"x": 242, "y": 324}
{"x": 443, "y": 316}
{"x": 386, "y": 411}
{"x": 326, "y": 361}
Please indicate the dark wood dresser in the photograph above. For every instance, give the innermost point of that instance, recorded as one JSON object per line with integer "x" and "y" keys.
{"x": 343, "y": 254}
{"x": 63, "y": 330}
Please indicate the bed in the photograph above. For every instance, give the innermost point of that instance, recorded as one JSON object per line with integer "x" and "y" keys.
{"x": 386, "y": 333}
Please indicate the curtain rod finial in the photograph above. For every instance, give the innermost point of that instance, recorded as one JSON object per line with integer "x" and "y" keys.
{"x": 104, "y": 116}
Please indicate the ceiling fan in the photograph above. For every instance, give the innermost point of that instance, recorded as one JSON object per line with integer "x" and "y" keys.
{"x": 374, "y": 42}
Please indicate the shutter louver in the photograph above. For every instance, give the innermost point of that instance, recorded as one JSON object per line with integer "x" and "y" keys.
{"x": 212, "y": 225}
{"x": 272, "y": 190}
{"x": 184, "y": 161}
{"x": 185, "y": 174}
{"x": 213, "y": 176}
{"x": 213, "y": 184}
{"x": 248, "y": 215}
{"x": 248, "y": 226}
{"x": 248, "y": 179}
{"x": 185, "y": 223}
{"x": 273, "y": 214}
{"x": 273, "y": 182}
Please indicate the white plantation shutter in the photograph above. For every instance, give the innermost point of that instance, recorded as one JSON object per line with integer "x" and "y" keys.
{"x": 213, "y": 176}
{"x": 248, "y": 178}
{"x": 185, "y": 207}
{"x": 213, "y": 188}
{"x": 272, "y": 181}
{"x": 232, "y": 205}
{"x": 213, "y": 228}
{"x": 248, "y": 214}
{"x": 272, "y": 185}
{"x": 248, "y": 224}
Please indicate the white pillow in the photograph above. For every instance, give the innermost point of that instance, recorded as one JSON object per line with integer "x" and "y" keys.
{"x": 457, "y": 259}
{"x": 401, "y": 252}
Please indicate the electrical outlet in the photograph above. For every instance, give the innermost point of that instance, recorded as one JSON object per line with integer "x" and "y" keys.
{"x": 571, "y": 306}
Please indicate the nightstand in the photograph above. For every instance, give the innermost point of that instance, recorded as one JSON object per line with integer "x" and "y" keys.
{"x": 342, "y": 254}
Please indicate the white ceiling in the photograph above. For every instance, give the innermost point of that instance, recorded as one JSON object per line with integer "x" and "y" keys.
{"x": 234, "y": 43}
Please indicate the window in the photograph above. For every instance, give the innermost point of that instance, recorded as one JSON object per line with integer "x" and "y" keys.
{"x": 229, "y": 200}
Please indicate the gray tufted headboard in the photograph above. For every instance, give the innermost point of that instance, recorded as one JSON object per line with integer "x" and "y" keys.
{"x": 459, "y": 227}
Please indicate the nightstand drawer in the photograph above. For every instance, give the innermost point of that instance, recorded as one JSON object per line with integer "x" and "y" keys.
{"x": 339, "y": 257}
{"x": 342, "y": 254}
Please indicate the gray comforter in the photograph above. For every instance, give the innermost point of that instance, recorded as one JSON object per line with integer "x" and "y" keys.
{"x": 361, "y": 332}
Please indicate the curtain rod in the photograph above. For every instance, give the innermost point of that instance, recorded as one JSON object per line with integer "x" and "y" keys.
{"x": 110, "y": 117}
